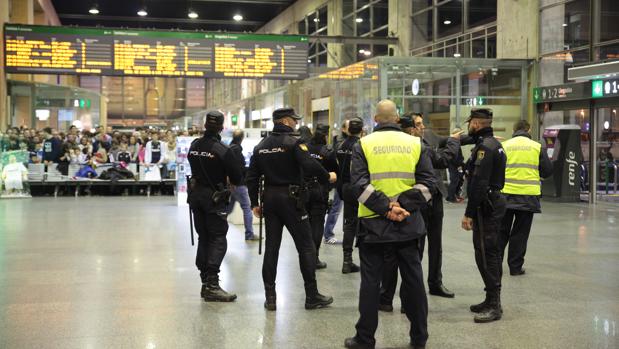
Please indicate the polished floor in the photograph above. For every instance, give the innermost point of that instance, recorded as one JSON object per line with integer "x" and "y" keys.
{"x": 106, "y": 272}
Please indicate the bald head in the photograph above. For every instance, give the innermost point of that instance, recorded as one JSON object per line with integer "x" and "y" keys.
{"x": 386, "y": 112}
{"x": 238, "y": 136}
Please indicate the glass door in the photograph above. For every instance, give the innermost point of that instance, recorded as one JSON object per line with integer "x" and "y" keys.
{"x": 607, "y": 150}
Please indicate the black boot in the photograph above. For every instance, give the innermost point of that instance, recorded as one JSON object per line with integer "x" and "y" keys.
{"x": 348, "y": 266}
{"x": 354, "y": 343}
{"x": 481, "y": 307}
{"x": 317, "y": 301}
{"x": 441, "y": 291}
{"x": 493, "y": 310}
{"x": 211, "y": 292}
{"x": 320, "y": 264}
{"x": 271, "y": 297}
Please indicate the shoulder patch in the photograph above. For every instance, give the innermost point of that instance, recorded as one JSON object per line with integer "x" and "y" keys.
{"x": 481, "y": 154}
{"x": 303, "y": 147}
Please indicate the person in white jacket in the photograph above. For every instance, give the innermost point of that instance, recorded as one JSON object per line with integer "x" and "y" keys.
{"x": 155, "y": 153}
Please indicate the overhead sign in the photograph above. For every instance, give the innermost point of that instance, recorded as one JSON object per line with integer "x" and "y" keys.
{"x": 558, "y": 93}
{"x": 605, "y": 88}
{"x": 63, "y": 50}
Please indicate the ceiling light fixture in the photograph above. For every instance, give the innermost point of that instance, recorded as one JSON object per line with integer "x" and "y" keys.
{"x": 446, "y": 22}
{"x": 565, "y": 24}
{"x": 457, "y": 55}
{"x": 316, "y": 20}
{"x": 192, "y": 14}
{"x": 237, "y": 17}
{"x": 142, "y": 12}
{"x": 359, "y": 20}
{"x": 94, "y": 11}
{"x": 367, "y": 53}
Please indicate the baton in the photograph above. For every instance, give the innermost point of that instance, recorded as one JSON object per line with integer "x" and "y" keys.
{"x": 191, "y": 226}
{"x": 188, "y": 178}
{"x": 261, "y": 205}
{"x": 482, "y": 235}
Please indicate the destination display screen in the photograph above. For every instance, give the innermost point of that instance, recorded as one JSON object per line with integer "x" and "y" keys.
{"x": 63, "y": 50}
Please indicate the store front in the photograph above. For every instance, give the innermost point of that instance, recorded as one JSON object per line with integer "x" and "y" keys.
{"x": 588, "y": 106}
{"x": 38, "y": 105}
{"x": 444, "y": 89}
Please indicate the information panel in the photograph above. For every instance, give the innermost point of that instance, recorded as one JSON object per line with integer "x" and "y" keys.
{"x": 62, "y": 50}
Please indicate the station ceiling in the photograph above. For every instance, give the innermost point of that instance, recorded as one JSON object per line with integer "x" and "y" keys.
{"x": 213, "y": 15}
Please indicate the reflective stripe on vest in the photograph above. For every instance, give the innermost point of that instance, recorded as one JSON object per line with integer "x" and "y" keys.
{"x": 392, "y": 157}
{"x": 522, "y": 168}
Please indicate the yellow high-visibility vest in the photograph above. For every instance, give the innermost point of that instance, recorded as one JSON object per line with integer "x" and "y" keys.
{"x": 392, "y": 157}
{"x": 522, "y": 169}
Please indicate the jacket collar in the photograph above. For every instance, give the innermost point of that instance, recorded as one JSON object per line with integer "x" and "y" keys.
{"x": 281, "y": 128}
{"x": 213, "y": 135}
{"x": 388, "y": 127}
{"x": 521, "y": 134}
{"x": 483, "y": 133}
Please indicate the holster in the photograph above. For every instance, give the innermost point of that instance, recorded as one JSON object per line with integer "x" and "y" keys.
{"x": 300, "y": 195}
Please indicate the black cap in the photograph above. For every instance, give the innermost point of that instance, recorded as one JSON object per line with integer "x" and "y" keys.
{"x": 214, "y": 118}
{"x": 406, "y": 121}
{"x": 322, "y": 128}
{"x": 480, "y": 113}
{"x": 284, "y": 112}
{"x": 355, "y": 125}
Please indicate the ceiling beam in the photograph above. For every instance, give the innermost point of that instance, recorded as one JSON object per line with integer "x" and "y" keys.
{"x": 338, "y": 39}
{"x": 253, "y": 2}
{"x": 160, "y": 20}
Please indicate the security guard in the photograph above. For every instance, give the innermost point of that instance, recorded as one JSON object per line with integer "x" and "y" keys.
{"x": 527, "y": 162}
{"x": 485, "y": 209}
{"x": 283, "y": 159}
{"x": 393, "y": 178}
{"x": 345, "y": 191}
{"x": 318, "y": 202}
{"x": 213, "y": 165}
{"x": 441, "y": 152}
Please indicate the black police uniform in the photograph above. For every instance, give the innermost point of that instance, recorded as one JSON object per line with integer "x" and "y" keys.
{"x": 318, "y": 202}
{"x": 346, "y": 193}
{"x": 379, "y": 236}
{"x": 282, "y": 159}
{"x": 486, "y": 206}
{"x": 212, "y": 165}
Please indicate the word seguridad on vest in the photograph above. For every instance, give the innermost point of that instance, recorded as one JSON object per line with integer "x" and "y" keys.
{"x": 390, "y": 149}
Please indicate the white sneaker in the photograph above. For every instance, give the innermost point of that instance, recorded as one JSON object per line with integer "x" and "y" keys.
{"x": 331, "y": 241}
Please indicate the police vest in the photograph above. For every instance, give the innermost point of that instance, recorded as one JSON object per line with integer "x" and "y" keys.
{"x": 392, "y": 157}
{"x": 522, "y": 168}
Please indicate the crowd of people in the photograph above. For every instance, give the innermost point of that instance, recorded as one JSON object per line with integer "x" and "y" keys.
{"x": 143, "y": 146}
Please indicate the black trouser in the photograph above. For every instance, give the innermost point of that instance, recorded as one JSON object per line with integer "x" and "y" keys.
{"x": 281, "y": 210}
{"x": 351, "y": 224}
{"x": 515, "y": 230}
{"x": 455, "y": 183}
{"x": 491, "y": 271}
{"x": 433, "y": 218}
{"x": 212, "y": 229}
{"x": 414, "y": 301}
{"x": 317, "y": 208}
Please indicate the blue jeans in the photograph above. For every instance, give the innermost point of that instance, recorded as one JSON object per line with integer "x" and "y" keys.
{"x": 334, "y": 214}
{"x": 240, "y": 194}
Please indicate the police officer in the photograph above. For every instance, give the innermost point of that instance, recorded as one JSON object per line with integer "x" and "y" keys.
{"x": 213, "y": 165}
{"x": 527, "y": 162}
{"x": 485, "y": 209}
{"x": 393, "y": 178}
{"x": 346, "y": 192}
{"x": 318, "y": 202}
{"x": 283, "y": 159}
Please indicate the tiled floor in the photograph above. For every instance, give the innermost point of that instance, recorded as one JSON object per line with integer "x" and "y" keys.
{"x": 118, "y": 273}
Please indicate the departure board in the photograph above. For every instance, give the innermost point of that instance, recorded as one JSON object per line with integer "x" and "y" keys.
{"x": 116, "y": 52}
